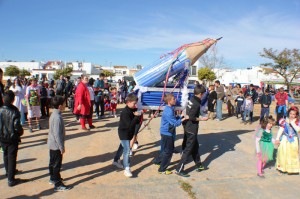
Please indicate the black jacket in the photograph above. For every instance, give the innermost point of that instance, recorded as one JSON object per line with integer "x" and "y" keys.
{"x": 127, "y": 123}
{"x": 266, "y": 100}
{"x": 1, "y": 93}
{"x": 193, "y": 111}
{"x": 10, "y": 126}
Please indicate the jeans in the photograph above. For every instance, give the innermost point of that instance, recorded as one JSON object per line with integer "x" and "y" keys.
{"x": 10, "y": 152}
{"x": 99, "y": 103}
{"x": 55, "y": 166}
{"x": 247, "y": 113}
{"x": 239, "y": 111}
{"x": 264, "y": 112}
{"x": 219, "y": 109}
{"x": 124, "y": 148}
{"x": 168, "y": 148}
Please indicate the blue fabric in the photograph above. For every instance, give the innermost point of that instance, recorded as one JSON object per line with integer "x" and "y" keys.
{"x": 168, "y": 118}
{"x": 282, "y": 108}
{"x": 289, "y": 135}
{"x": 99, "y": 84}
{"x": 204, "y": 98}
{"x": 219, "y": 109}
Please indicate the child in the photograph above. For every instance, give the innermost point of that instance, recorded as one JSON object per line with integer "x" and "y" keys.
{"x": 239, "y": 103}
{"x": 128, "y": 119}
{"x": 106, "y": 103}
{"x": 264, "y": 144}
{"x": 113, "y": 101}
{"x": 265, "y": 101}
{"x": 247, "y": 108}
{"x": 167, "y": 130}
{"x": 56, "y": 143}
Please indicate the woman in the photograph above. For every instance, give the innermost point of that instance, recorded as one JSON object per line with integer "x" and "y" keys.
{"x": 92, "y": 98}
{"x": 287, "y": 138}
{"x": 211, "y": 101}
{"x": 82, "y": 103}
{"x": 18, "y": 90}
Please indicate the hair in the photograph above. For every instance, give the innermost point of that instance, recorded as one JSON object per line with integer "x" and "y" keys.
{"x": 239, "y": 85}
{"x": 68, "y": 77}
{"x": 18, "y": 83}
{"x": 131, "y": 98}
{"x": 267, "y": 120}
{"x": 241, "y": 92}
{"x": 168, "y": 97}
{"x": 267, "y": 91}
{"x": 102, "y": 75}
{"x": 294, "y": 108}
{"x": 8, "y": 97}
{"x": 57, "y": 101}
{"x": 218, "y": 82}
{"x": 199, "y": 89}
{"x": 112, "y": 88}
{"x": 212, "y": 87}
{"x": 1, "y": 71}
{"x": 91, "y": 81}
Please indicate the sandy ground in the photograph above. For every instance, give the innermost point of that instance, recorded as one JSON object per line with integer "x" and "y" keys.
{"x": 227, "y": 149}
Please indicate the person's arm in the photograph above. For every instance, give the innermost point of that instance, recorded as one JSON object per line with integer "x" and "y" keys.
{"x": 295, "y": 126}
{"x": 17, "y": 124}
{"x": 170, "y": 117}
{"x": 279, "y": 133}
{"x": 27, "y": 96}
{"x": 58, "y": 134}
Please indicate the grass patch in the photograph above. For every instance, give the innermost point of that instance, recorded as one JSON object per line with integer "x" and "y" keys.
{"x": 187, "y": 188}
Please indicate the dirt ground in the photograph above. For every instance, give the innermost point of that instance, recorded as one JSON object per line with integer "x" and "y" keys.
{"x": 227, "y": 148}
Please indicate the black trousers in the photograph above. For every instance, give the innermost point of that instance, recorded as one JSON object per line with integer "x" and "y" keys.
{"x": 10, "y": 152}
{"x": 99, "y": 103}
{"x": 167, "y": 151}
{"x": 44, "y": 107}
{"x": 191, "y": 148}
{"x": 55, "y": 166}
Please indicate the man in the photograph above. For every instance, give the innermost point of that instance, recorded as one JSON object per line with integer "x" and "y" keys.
{"x": 60, "y": 86}
{"x": 220, "y": 95}
{"x": 68, "y": 89}
{"x": 230, "y": 100}
{"x": 281, "y": 99}
{"x": 191, "y": 131}
{"x": 99, "y": 98}
{"x": 10, "y": 133}
{"x": 252, "y": 92}
{"x": 265, "y": 101}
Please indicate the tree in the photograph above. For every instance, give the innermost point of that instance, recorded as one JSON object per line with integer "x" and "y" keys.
{"x": 24, "y": 73}
{"x": 286, "y": 63}
{"x": 212, "y": 60}
{"x": 108, "y": 73}
{"x": 12, "y": 71}
{"x": 206, "y": 74}
{"x": 64, "y": 72}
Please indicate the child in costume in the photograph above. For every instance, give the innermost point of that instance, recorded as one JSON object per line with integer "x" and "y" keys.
{"x": 264, "y": 144}
{"x": 113, "y": 101}
{"x": 247, "y": 108}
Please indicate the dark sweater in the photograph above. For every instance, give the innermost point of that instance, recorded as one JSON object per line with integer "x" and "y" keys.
{"x": 127, "y": 123}
{"x": 193, "y": 111}
{"x": 266, "y": 100}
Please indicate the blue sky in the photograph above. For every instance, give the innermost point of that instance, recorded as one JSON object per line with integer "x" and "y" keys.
{"x": 135, "y": 32}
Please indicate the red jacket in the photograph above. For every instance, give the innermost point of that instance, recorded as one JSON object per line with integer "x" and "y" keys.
{"x": 82, "y": 96}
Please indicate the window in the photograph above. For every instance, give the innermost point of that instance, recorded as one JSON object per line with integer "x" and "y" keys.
{"x": 193, "y": 71}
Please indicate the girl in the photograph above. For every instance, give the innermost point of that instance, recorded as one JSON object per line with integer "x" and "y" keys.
{"x": 264, "y": 144}
{"x": 19, "y": 96}
{"x": 113, "y": 101}
{"x": 287, "y": 138}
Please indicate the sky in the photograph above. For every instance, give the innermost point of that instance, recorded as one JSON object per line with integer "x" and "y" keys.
{"x": 132, "y": 32}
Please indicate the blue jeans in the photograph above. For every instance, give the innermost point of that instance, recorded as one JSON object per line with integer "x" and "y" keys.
{"x": 124, "y": 148}
{"x": 247, "y": 113}
{"x": 264, "y": 112}
{"x": 219, "y": 109}
{"x": 168, "y": 148}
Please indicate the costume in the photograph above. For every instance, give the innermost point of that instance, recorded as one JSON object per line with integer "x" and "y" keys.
{"x": 33, "y": 95}
{"x": 288, "y": 150}
{"x": 113, "y": 101}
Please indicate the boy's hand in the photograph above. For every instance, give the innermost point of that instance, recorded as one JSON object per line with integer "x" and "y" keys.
{"x": 79, "y": 107}
{"x": 63, "y": 151}
{"x": 136, "y": 113}
{"x": 203, "y": 118}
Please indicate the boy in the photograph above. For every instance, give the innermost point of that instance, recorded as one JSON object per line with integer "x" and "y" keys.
{"x": 167, "y": 131}
{"x": 247, "y": 108}
{"x": 265, "y": 101}
{"x": 10, "y": 133}
{"x": 56, "y": 143}
{"x": 128, "y": 119}
{"x": 239, "y": 103}
{"x": 33, "y": 103}
{"x": 191, "y": 131}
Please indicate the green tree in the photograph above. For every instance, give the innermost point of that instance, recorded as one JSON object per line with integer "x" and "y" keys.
{"x": 206, "y": 74}
{"x": 12, "y": 71}
{"x": 108, "y": 73}
{"x": 286, "y": 63}
{"x": 65, "y": 72}
{"x": 24, "y": 73}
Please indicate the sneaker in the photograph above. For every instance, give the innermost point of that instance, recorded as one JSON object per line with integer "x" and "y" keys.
{"x": 52, "y": 182}
{"x": 130, "y": 153}
{"x": 200, "y": 168}
{"x": 102, "y": 116}
{"x": 127, "y": 173}
{"x": 115, "y": 116}
{"x": 166, "y": 172}
{"x": 182, "y": 174}
{"x": 92, "y": 127}
{"x": 135, "y": 146}
{"x": 118, "y": 164}
{"x": 62, "y": 188}
{"x": 1, "y": 150}
{"x": 30, "y": 130}
{"x": 217, "y": 120}
{"x": 39, "y": 127}
{"x": 16, "y": 182}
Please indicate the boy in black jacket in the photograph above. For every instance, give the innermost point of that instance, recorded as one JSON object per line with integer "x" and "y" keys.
{"x": 10, "y": 137}
{"x": 128, "y": 119}
{"x": 266, "y": 101}
{"x": 191, "y": 132}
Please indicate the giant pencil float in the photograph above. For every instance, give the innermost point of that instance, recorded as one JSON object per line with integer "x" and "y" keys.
{"x": 150, "y": 77}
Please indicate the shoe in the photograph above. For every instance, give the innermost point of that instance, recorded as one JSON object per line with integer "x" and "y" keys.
{"x": 127, "y": 173}
{"x": 62, "y": 188}
{"x": 135, "y": 146}
{"x": 118, "y": 164}
{"x": 30, "y": 130}
{"x": 182, "y": 174}
{"x": 217, "y": 120}
{"x": 130, "y": 153}
{"x": 39, "y": 127}
{"x": 260, "y": 175}
{"x": 115, "y": 116}
{"x": 92, "y": 127}
{"x": 16, "y": 182}
{"x": 52, "y": 182}
{"x": 156, "y": 164}
{"x": 102, "y": 116}
{"x": 166, "y": 172}
{"x": 1, "y": 150}
{"x": 85, "y": 129}
{"x": 200, "y": 168}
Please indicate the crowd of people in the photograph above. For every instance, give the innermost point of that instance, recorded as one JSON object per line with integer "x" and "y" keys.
{"x": 28, "y": 100}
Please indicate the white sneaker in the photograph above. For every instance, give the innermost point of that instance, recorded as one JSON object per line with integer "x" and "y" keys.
{"x": 118, "y": 164}
{"x": 130, "y": 152}
{"x": 135, "y": 146}
{"x": 127, "y": 173}
{"x": 115, "y": 116}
